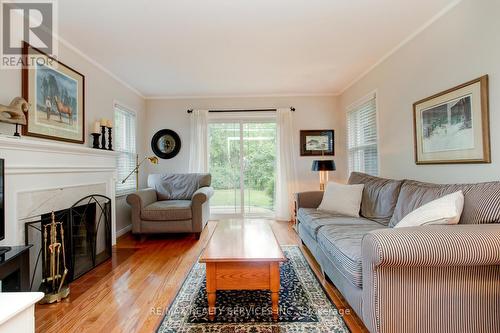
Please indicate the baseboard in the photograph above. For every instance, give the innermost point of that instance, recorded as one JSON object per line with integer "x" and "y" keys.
{"x": 123, "y": 231}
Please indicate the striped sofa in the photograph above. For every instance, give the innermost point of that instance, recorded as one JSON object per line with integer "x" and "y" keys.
{"x": 416, "y": 279}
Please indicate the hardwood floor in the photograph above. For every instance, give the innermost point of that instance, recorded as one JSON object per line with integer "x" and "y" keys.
{"x": 132, "y": 291}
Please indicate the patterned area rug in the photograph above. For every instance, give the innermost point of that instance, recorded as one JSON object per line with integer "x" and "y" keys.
{"x": 304, "y": 306}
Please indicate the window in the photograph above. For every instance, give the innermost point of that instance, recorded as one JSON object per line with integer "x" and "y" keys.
{"x": 125, "y": 129}
{"x": 362, "y": 136}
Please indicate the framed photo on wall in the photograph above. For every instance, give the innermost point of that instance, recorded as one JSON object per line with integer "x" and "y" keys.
{"x": 56, "y": 93}
{"x": 317, "y": 142}
{"x": 453, "y": 126}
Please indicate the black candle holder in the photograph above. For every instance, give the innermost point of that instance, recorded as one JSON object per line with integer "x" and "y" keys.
{"x": 103, "y": 137}
{"x": 95, "y": 143}
{"x": 110, "y": 140}
{"x": 17, "y": 131}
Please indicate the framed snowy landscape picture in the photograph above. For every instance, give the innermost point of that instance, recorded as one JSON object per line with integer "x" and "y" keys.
{"x": 453, "y": 126}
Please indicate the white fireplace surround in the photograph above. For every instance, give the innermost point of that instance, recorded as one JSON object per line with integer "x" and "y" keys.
{"x": 41, "y": 176}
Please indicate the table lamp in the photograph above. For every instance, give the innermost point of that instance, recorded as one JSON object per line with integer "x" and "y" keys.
{"x": 323, "y": 166}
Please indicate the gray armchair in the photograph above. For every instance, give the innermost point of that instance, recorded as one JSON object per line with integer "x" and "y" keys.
{"x": 172, "y": 203}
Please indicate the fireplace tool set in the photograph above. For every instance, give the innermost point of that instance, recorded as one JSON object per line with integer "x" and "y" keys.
{"x": 54, "y": 263}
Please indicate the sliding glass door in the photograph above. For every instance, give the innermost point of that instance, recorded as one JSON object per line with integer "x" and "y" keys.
{"x": 259, "y": 151}
{"x": 224, "y": 164}
{"x": 242, "y": 163}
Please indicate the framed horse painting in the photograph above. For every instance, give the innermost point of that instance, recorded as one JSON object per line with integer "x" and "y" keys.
{"x": 56, "y": 94}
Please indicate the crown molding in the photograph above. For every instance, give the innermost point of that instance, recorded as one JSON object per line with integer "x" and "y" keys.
{"x": 98, "y": 65}
{"x": 405, "y": 41}
{"x": 241, "y": 96}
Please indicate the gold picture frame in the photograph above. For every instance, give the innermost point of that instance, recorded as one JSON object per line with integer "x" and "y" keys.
{"x": 452, "y": 126}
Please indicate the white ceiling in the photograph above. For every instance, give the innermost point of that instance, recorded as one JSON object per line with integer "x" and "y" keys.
{"x": 241, "y": 47}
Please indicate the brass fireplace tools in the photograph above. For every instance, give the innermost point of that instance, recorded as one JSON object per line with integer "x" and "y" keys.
{"x": 52, "y": 279}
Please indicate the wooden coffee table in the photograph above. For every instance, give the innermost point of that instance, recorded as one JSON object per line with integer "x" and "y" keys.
{"x": 242, "y": 255}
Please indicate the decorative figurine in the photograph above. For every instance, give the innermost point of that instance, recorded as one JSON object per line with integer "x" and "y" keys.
{"x": 15, "y": 113}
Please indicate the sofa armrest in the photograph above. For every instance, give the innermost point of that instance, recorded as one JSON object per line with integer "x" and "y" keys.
{"x": 200, "y": 207}
{"x": 202, "y": 195}
{"x": 142, "y": 198}
{"x": 310, "y": 199}
{"x": 138, "y": 200}
{"x": 453, "y": 245}
{"x": 438, "y": 270}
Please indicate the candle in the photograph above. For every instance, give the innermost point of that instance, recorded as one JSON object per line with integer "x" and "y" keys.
{"x": 97, "y": 127}
{"x": 103, "y": 122}
{"x": 109, "y": 123}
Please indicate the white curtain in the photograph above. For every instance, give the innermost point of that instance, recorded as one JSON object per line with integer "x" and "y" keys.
{"x": 286, "y": 180}
{"x": 198, "y": 150}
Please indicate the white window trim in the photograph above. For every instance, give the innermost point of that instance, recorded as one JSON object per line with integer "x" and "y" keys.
{"x": 373, "y": 94}
{"x": 362, "y": 100}
{"x": 250, "y": 116}
{"x": 125, "y": 107}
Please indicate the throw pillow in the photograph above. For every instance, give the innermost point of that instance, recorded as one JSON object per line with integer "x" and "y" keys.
{"x": 445, "y": 210}
{"x": 342, "y": 199}
{"x": 380, "y": 196}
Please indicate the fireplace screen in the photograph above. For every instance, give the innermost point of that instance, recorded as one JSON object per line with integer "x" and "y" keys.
{"x": 87, "y": 237}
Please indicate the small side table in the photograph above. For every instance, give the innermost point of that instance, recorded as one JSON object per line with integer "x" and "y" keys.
{"x": 15, "y": 269}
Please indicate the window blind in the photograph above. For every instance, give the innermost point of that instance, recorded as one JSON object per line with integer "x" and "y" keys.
{"x": 125, "y": 145}
{"x": 362, "y": 137}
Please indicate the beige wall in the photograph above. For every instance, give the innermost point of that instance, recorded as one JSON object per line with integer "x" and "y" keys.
{"x": 318, "y": 112}
{"x": 462, "y": 45}
{"x": 100, "y": 92}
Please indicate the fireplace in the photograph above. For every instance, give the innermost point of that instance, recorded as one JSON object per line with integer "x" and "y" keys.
{"x": 87, "y": 238}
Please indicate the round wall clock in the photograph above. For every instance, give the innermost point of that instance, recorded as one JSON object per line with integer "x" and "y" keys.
{"x": 166, "y": 144}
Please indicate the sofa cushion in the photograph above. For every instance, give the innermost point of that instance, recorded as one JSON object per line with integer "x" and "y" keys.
{"x": 342, "y": 244}
{"x": 342, "y": 199}
{"x": 445, "y": 210}
{"x": 179, "y": 186}
{"x": 380, "y": 196}
{"x": 481, "y": 200}
{"x": 168, "y": 210}
{"x": 312, "y": 220}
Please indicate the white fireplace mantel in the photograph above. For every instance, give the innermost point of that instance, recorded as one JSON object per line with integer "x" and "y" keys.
{"x": 41, "y": 167}
{"x": 17, "y": 311}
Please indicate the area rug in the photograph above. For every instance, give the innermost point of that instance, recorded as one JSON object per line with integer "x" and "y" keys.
{"x": 304, "y": 306}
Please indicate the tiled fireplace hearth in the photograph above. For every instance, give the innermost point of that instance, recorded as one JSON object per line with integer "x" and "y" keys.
{"x": 45, "y": 176}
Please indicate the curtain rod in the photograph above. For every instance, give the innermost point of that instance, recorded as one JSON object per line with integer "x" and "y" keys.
{"x": 254, "y": 110}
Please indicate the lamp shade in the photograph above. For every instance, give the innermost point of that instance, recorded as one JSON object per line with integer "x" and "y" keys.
{"x": 323, "y": 165}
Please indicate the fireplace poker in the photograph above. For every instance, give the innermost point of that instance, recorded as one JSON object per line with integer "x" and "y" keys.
{"x": 57, "y": 264}
{"x": 64, "y": 259}
{"x": 62, "y": 279}
{"x": 45, "y": 263}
